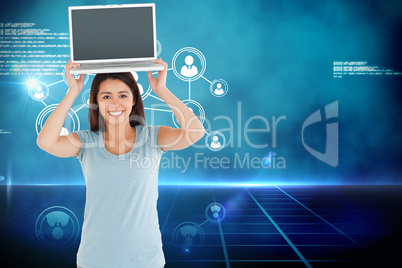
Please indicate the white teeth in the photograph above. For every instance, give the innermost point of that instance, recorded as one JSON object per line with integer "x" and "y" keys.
{"x": 116, "y": 113}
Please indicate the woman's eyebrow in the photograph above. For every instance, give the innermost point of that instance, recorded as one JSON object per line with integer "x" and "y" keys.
{"x": 111, "y": 92}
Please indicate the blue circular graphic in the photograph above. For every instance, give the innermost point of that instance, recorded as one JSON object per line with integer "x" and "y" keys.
{"x": 188, "y": 236}
{"x": 215, "y": 212}
{"x": 57, "y": 227}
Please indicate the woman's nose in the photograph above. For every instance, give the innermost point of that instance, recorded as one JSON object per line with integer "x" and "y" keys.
{"x": 114, "y": 101}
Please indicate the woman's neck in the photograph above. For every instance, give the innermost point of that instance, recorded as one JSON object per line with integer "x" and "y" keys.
{"x": 119, "y": 133}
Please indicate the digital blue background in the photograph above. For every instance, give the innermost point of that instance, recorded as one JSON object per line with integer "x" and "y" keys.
{"x": 277, "y": 58}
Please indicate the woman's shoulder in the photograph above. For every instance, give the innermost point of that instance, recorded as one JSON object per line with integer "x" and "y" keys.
{"x": 148, "y": 133}
{"x": 147, "y": 129}
{"x": 87, "y": 135}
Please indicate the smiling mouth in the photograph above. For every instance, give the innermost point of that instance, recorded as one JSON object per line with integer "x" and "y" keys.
{"x": 115, "y": 113}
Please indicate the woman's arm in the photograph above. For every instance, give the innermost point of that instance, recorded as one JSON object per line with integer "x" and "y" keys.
{"x": 49, "y": 138}
{"x": 191, "y": 128}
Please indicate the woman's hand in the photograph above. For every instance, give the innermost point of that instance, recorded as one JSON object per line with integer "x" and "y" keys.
{"x": 74, "y": 84}
{"x": 159, "y": 82}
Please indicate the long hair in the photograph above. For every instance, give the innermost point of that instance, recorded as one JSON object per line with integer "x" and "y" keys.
{"x": 137, "y": 115}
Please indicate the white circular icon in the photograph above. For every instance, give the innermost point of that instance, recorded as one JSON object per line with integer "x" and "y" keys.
{"x": 219, "y": 87}
{"x": 85, "y": 97}
{"x": 38, "y": 91}
{"x": 189, "y": 64}
{"x": 71, "y": 124}
{"x": 215, "y": 141}
{"x": 158, "y": 48}
{"x": 195, "y": 107}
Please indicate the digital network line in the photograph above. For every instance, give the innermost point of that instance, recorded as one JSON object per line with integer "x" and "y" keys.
{"x": 191, "y": 71}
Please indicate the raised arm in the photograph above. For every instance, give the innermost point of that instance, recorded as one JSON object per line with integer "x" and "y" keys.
{"x": 191, "y": 128}
{"x": 49, "y": 138}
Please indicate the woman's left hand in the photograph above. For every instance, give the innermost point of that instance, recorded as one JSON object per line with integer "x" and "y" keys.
{"x": 159, "y": 82}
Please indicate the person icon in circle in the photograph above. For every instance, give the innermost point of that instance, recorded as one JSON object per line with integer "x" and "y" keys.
{"x": 219, "y": 90}
{"x": 215, "y": 144}
{"x": 39, "y": 93}
{"x": 189, "y": 70}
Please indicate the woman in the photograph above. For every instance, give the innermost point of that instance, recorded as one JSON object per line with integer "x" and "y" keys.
{"x": 120, "y": 158}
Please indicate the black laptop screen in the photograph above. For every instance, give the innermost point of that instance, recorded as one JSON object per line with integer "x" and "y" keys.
{"x": 112, "y": 33}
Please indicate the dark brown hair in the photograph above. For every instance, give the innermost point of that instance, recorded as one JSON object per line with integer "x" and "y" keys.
{"x": 137, "y": 115}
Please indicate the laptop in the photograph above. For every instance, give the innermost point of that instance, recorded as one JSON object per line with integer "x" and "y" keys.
{"x": 113, "y": 38}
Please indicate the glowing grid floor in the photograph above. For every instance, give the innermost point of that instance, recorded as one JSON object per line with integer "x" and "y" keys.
{"x": 297, "y": 226}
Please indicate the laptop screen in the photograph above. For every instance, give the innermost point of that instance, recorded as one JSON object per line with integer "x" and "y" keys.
{"x": 112, "y": 33}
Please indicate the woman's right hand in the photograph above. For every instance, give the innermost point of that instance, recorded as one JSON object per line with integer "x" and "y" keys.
{"x": 74, "y": 84}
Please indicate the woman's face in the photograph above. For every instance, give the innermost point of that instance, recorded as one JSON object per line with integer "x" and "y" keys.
{"x": 115, "y": 101}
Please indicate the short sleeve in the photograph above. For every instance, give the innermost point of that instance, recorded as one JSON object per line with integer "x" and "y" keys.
{"x": 81, "y": 136}
{"x": 154, "y": 136}
{"x": 87, "y": 139}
